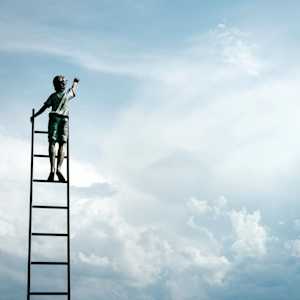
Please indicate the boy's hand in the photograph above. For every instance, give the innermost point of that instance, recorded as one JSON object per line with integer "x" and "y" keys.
{"x": 76, "y": 80}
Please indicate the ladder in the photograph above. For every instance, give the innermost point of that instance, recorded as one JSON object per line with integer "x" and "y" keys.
{"x": 33, "y": 209}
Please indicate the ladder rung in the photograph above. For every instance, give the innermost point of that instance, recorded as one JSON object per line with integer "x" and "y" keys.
{"x": 48, "y": 293}
{"x": 50, "y": 206}
{"x": 47, "y": 181}
{"x": 41, "y": 131}
{"x": 49, "y": 263}
{"x": 46, "y": 155}
{"x": 49, "y": 234}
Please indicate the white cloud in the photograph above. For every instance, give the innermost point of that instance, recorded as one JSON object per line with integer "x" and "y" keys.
{"x": 141, "y": 255}
{"x": 14, "y": 175}
{"x": 251, "y": 236}
{"x": 198, "y": 207}
{"x": 85, "y": 174}
{"x": 6, "y": 229}
{"x": 229, "y": 46}
{"x": 202, "y": 108}
{"x": 14, "y": 153}
{"x": 137, "y": 252}
{"x": 94, "y": 260}
{"x": 238, "y": 50}
{"x": 214, "y": 268}
{"x": 220, "y": 205}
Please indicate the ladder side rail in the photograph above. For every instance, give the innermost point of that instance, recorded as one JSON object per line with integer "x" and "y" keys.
{"x": 68, "y": 213}
{"x": 30, "y": 210}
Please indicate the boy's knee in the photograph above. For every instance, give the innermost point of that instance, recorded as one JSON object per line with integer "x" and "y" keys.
{"x": 52, "y": 143}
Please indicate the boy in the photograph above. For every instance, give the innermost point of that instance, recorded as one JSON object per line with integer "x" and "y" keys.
{"x": 58, "y": 122}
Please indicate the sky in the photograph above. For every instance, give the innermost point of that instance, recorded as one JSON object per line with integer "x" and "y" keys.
{"x": 184, "y": 148}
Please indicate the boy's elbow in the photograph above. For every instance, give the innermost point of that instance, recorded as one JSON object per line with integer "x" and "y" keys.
{"x": 74, "y": 91}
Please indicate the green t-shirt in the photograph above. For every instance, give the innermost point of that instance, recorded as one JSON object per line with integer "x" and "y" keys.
{"x": 59, "y": 102}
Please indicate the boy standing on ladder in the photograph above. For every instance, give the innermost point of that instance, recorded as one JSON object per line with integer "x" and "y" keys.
{"x": 58, "y": 130}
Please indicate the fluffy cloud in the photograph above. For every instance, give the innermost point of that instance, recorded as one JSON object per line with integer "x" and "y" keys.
{"x": 214, "y": 268}
{"x": 199, "y": 129}
{"x": 237, "y": 49}
{"x": 94, "y": 260}
{"x": 95, "y": 190}
{"x": 198, "y": 206}
{"x": 202, "y": 207}
{"x": 144, "y": 255}
{"x": 251, "y": 235}
{"x": 137, "y": 253}
{"x": 6, "y": 229}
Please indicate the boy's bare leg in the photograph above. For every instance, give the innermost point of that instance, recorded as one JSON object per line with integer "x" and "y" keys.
{"x": 60, "y": 159}
{"x": 52, "y": 160}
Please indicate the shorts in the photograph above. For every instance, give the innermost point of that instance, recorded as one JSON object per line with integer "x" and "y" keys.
{"x": 58, "y": 128}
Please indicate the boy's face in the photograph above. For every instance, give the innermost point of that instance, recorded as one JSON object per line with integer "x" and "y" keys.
{"x": 61, "y": 84}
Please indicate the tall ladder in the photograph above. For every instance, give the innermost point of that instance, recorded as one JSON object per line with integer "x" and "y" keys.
{"x": 33, "y": 208}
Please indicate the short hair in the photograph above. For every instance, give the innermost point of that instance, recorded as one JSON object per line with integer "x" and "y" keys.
{"x": 57, "y": 80}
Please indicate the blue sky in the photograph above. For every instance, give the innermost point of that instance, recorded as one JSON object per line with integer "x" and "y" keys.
{"x": 184, "y": 147}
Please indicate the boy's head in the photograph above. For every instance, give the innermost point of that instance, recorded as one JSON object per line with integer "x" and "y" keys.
{"x": 59, "y": 83}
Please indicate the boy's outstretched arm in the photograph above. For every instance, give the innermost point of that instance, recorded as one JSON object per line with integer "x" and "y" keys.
{"x": 75, "y": 86}
{"x": 40, "y": 111}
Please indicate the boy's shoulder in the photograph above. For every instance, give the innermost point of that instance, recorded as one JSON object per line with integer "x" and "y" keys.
{"x": 52, "y": 97}
{"x": 53, "y": 94}
{"x": 56, "y": 95}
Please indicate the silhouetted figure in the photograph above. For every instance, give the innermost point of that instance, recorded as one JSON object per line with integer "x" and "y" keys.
{"x": 58, "y": 127}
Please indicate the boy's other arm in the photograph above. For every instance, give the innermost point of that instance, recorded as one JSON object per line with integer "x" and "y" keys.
{"x": 40, "y": 111}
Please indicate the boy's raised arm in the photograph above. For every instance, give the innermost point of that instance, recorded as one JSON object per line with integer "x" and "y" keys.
{"x": 75, "y": 86}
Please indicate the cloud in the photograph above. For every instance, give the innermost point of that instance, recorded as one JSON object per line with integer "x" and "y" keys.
{"x": 86, "y": 177}
{"x": 136, "y": 253}
{"x": 237, "y": 49}
{"x": 214, "y": 268}
{"x": 251, "y": 236}
{"x": 189, "y": 127}
{"x": 198, "y": 206}
{"x": 6, "y": 229}
{"x": 202, "y": 207}
{"x": 229, "y": 46}
{"x": 95, "y": 190}
{"x": 11, "y": 276}
{"x": 94, "y": 260}
{"x": 140, "y": 256}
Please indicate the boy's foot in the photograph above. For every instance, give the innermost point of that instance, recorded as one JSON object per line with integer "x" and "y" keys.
{"x": 51, "y": 176}
{"x": 60, "y": 176}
